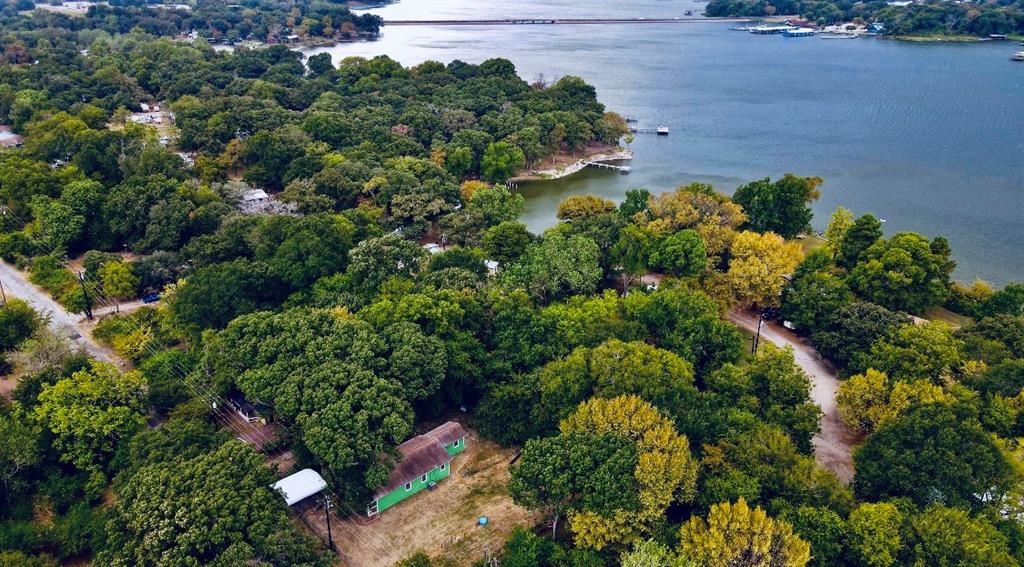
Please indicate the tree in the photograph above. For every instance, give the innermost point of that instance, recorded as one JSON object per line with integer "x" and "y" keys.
{"x": 863, "y": 401}
{"x": 733, "y": 534}
{"x": 581, "y": 206}
{"x": 651, "y": 554}
{"x": 500, "y": 161}
{"x": 758, "y": 266}
{"x": 665, "y": 471}
{"x": 901, "y": 273}
{"x": 375, "y": 260}
{"x": 813, "y": 300}
{"x": 632, "y": 251}
{"x": 783, "y": 391}
{"x": 211, "y": 509}
{"x": 824, "y": 529}
{"x": 713, "y": 215}
{"x": 19, "y": 451}
{"x": 949, "y": 536}
{"x": 874, "y": 533}
{"x": 614, "y": 368}
{"x": 18, "y": 322}
{"x": 918, "y": 352}
{"x": 497, "y": 205}
{"x": 1007, "y": 301}
{"x": 868, "y": 401}
{"x": 580, "y": 471}
{"x": 459, "y": 161}
{"x": 838, "y": 225}
{"x": 864, "y": 232}
{"x": 91, "y": 411}
{"x": 681, "y": 254}
{"x": 303, "y": 250}
{"x": 932, "y": 453}
{"x": 212, "y": 296}
{"x": 635, "y": 202}
{"x": 506, "y": 242}
{"x": 853, "y": 329}
{"x": 320, "y": 64}
{"x": 556, "y": 267}
{"x": 119, "y": 282}
{"x": 780, "y": 207}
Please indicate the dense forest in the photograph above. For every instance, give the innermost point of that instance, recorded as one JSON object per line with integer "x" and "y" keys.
{"x": 932, "y": 17}
{"x": 258, "y": 20}
{"x": 649, "y": 431}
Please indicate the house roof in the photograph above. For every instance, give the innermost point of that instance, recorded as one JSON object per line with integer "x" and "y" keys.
{"x": 299, "y": 486}
{"x": 447, "y": 433}
{"x": 421, "y": 454}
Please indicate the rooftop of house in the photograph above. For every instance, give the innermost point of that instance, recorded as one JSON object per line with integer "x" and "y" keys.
{"x": 422, "y": 454}
{"x": 299, "y": 486}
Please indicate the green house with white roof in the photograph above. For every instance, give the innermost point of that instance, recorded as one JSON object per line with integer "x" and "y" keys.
{"x": 426, "y": 460}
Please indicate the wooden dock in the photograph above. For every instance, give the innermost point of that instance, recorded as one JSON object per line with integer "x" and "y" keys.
{"x": 619, "y": 168}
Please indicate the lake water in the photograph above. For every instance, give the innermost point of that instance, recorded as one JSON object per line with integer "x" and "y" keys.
{"x": 929, "y": 137}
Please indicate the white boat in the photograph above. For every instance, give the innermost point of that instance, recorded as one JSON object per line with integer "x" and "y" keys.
{"x": 663, "y": 130}
{"x": 1019, "y": 56}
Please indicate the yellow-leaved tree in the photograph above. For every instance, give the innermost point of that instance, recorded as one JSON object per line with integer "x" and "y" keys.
{"x": 735, "y": 534}
{"x": 665, "y": 468}
{"x": 759, "y": 266}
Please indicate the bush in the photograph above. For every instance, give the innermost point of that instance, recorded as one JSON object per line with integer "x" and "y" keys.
{"x": 17, "y": 322}
{"x": 79, "y": 532}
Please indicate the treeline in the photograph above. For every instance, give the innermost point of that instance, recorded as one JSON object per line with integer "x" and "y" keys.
{"x": 933, "y": 17}
{"x": 259, "y": 20}
{"x": 370, "y": 139}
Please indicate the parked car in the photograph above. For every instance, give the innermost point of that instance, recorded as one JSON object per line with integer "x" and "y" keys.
{"x": 151, "y": 298}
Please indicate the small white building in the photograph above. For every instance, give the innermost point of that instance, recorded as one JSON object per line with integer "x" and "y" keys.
{"x": 299, "y": 486}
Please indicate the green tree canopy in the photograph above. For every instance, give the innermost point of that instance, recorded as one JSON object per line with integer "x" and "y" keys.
{"x": 780, "y": 207}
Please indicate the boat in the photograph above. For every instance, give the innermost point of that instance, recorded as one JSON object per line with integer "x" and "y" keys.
{"x": 1019, "y": 56}
{"x": 688, "y": 13}
{"x": 662, "y": 130}
{"x": 839, "y": 36}
{"x": 799, "y": 32}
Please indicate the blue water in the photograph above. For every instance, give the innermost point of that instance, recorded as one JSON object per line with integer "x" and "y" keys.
{"x": 929, "y": 137}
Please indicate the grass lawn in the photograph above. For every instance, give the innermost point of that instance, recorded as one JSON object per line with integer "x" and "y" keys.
{"x": 811, "y": 243}
{"x": 947, "y": 316}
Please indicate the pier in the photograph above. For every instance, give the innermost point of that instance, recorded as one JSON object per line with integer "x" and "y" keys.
{"x": 565, "y": 21}
{"x": 619, "y": 168}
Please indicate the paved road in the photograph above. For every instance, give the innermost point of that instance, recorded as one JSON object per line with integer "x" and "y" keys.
{"x": 63, "y": 323}
{"x": 832, "y": 447}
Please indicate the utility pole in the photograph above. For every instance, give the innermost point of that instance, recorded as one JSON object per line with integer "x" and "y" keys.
{"x": 327, "y": 514}
{"x": 757, "y": 338}
{"x": 88, "y": 301}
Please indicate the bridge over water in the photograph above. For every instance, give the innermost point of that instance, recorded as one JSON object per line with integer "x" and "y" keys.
{"x": 565, "y": 21}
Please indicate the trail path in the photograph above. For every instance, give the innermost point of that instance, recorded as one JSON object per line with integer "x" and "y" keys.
{"x": 834, "y": 444}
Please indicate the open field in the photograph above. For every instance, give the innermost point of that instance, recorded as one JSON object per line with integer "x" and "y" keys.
{"x": 440, "y": 522}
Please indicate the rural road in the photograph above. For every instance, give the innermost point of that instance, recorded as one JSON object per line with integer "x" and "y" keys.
{"x": 61, "y": 322}
{"x": 833, "y": 445}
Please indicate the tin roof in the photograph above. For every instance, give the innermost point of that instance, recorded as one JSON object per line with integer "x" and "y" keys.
{"x": 421, "y": 454}
{"x": 299, "y": 486}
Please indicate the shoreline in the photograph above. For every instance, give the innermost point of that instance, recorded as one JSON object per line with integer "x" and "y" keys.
{"x": 559, "y": 172}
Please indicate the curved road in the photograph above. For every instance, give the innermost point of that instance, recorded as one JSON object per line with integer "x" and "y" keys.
{"x": 833, "y": 445}
{"x": 60, "y": 321}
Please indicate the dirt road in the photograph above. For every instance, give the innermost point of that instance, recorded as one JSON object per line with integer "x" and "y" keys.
{"x": 61, "y": 322}
{"x": 833, "y": 445}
